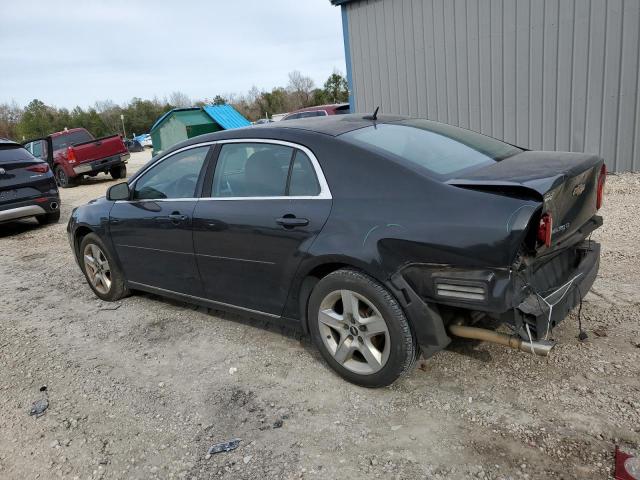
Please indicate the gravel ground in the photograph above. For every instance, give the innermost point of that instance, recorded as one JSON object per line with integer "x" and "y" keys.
{"x": 142, "y": 388}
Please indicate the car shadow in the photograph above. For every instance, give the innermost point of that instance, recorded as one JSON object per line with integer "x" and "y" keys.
{"x": 18, "y": 226}
{"x": 287, "y": 330}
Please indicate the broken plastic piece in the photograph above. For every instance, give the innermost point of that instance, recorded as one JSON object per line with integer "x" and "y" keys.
{"x": 38, "y": 407}
{"x": 224, "y": 447}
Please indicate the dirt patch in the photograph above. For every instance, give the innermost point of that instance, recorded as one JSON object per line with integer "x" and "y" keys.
{"x": 143, "y": 390}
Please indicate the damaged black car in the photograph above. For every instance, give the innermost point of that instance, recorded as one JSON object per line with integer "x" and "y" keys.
{"x": 381, "y": 237}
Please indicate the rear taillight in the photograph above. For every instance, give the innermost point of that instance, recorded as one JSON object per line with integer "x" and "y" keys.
{"x": 39, "y": 168}
{"x": 71, "y": 155}
{"x": 544, "y": 230}
{"x": 601, "y": 180}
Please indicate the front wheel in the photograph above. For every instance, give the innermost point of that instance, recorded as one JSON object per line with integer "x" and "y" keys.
{"x": 360, "y": 329}
{"x": 118, "y": 172}
{"x": 103, "y": 275}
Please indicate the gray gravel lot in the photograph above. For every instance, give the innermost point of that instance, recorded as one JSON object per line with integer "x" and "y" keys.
{"x": 142, "y": 388}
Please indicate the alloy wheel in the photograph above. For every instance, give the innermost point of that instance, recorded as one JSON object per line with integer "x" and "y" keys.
{"x": 354, "y": 332}
{"x": 97, "y": 268}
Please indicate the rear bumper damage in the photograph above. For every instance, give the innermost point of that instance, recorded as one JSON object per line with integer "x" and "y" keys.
{"x": 532, "y": 299}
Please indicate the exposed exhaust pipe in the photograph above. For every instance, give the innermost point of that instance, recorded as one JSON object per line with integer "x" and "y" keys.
{"x": 538, "y": 347}
{"x": 54, "y": 205}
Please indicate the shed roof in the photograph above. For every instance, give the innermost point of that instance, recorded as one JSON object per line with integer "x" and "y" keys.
{"x": 226, "y": 116}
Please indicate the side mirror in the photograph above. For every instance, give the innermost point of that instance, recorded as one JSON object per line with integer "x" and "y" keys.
{"x": 120, "y": 191}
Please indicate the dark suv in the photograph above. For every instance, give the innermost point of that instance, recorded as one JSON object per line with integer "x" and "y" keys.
{"x": 27, "y": 186}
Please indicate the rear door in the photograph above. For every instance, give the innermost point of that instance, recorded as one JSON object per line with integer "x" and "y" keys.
{"x": 22, "y": 176}
{"x": 152, "y": 232}
{"x": 260, "y": 211}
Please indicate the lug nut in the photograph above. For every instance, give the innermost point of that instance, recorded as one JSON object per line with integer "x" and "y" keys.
{"x": 360, "y": 339}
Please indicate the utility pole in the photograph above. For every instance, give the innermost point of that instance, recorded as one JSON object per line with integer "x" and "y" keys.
{"x": 123, "y": 129}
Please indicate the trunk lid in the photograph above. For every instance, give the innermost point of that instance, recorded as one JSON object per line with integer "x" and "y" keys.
{"x": 565, "y": 183}
{"x": 99, "y": 148}
{"x": 17, "y": 181}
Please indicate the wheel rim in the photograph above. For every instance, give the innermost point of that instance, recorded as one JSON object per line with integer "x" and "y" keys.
{"x": 97, "y": 268}
{"x": 62, "y": 177}
{"x": 354, "y": 332}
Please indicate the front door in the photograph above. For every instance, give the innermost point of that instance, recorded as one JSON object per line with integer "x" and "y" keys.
{"x": 259, "y": 214}
{"x": 152, "y": 232}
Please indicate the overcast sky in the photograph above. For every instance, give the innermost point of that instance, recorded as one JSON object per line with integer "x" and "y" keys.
{"x": 69, "y": 53}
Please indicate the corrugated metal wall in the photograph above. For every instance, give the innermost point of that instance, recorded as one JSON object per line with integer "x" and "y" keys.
{"x": 544, "y": 74}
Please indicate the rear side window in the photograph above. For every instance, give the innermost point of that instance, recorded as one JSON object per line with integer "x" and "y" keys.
{"x": 14, "y": 153}
{"x": 175, "y": 177}
{"x": 304, "y": 182}
{"x": 263, "y": 170}
{"x": 72, "y": 138}
{"x": 442, "y": 149}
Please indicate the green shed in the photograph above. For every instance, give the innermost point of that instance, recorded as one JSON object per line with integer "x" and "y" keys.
{"x": 180, "y": 124}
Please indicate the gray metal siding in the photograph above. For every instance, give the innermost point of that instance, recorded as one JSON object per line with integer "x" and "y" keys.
{"x": 544, "y": 74}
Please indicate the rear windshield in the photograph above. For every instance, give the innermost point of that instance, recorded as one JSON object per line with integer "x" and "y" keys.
{"x": 14, "y": 153}
{"x": 68, "y": 139}
{"x": 445, "y": 151}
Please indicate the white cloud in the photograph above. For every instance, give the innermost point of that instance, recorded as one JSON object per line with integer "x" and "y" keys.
{"x": 71, "y": 53}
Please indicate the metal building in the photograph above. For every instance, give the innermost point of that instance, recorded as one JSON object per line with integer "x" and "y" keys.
{"x": 543, "y": 74}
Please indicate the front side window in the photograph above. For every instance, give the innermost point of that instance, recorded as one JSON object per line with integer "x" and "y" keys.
{"x": 175, "y": 177}
{"x": 36, "y": 149}
{"x": 263, "y": 170}
{"x": 443, "y": 150}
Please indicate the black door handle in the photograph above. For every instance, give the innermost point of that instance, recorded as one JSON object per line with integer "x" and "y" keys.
{"x": 291, "y": 221}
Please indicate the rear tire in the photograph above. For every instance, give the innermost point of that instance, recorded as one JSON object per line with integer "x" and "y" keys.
{"x": 100, "y": 269}
{"x": 47, "y": 218}
{"x": 118, "y": 172}
{"x": 62, "y": 179}
{"x": 370, "y": 343}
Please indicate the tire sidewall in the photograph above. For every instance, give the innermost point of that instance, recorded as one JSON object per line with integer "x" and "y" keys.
{"x": 391, "y": 312}
{"x": 117, "y": 289}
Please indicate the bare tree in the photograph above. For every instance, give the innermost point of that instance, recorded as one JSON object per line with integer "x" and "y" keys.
{"x": 301, "y": 88}
{"x": 180, "y": 100}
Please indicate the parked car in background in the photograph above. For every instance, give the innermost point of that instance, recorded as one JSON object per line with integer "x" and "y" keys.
{"x": 144, "y": 140}
{"x": 75, "y": 153}
{"x": 27, "y": 186}
{"x": 318, "y": 111}
{"x": 380, "y": 237}
{"x": 133, "y": 145}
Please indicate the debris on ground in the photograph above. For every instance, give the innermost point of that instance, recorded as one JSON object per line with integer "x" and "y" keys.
{"x": 278, "y": 423}
{"x": 223, "y": 447}
{"x": 39, "y": 406}
{"x": 600, "y": 332}
{"x": 111, "y": 307}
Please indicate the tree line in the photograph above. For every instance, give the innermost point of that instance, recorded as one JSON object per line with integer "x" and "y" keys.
{"x": 37, "y": 119}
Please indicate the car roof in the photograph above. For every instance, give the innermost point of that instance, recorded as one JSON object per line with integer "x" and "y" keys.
{"x": 328, "y": 106}
{"x": 6, "y": 142}
{"x": 333, "y": 125}
{"x": 67, "y": 131}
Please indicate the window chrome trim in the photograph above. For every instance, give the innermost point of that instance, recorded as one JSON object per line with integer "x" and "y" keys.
{"x": 325, "y": 192}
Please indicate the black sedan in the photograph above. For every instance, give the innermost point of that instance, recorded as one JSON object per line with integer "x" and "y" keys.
{"x": 27, "y": 186}
{"x": 380, "y": 237}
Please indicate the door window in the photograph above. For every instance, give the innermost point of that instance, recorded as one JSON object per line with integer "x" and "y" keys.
{"x": 175, "y": 177}
{"x": 252, "y": 170}
{"x": 36, "y": 149}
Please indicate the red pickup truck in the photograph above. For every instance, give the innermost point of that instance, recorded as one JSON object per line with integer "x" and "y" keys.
{"x": 74, "y": 153}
